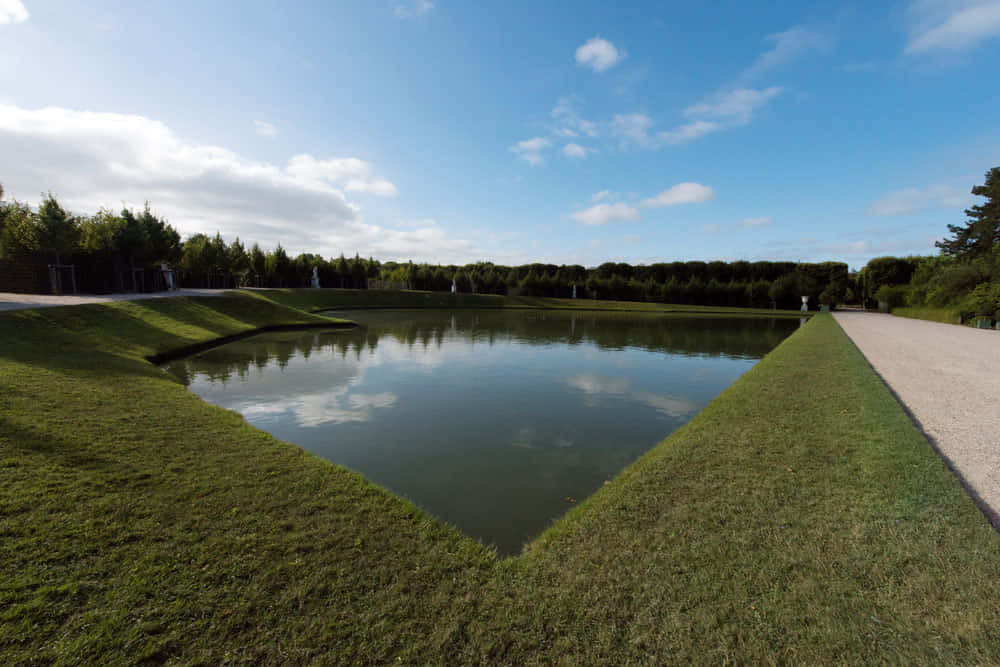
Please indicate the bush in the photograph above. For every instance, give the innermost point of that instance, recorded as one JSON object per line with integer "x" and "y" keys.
{"x": 984, "y": 300}
{"x": 893, "y": 295}
{"x": 956, "y": 282}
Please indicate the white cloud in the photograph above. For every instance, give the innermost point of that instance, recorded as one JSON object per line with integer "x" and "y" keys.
{"x": 602, "y": 214}
{"x": 751, "y": 223}
{"x": 576, "y": 151}
{"x": 911, "y": 200}
{"x": 409, "y": 10}
{"x": 689, "y": 132}
{"x": 360, "y": 401}
{"x": 682, "y": 193}
{"x": 788, "y": 45}
{"x": 531, "y": 149}
{"x": 735, "y": 105}
{"x": 634, "y": 128}
{"x": 602, "y": 195}
{"x": 265, "y": 129}
{"x": 951, "y": 25}
{"x": 593, "y": 384}
{"x": 12, "y": 11}
{"x": 568, "y": 121}
{"x": 91, "y": 160}
{"x": 428, "y": 242}
{"x": 598, "y": 54}
{"x": 353, "y": 173}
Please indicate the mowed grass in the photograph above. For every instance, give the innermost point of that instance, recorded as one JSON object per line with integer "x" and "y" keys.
{"x": 799, "y": 518}
{"x": 945, "y": 315}
{"x": 312, "y": 300}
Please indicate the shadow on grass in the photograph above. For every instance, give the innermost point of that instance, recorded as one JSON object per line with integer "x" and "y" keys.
{"x": 54, "y": 449}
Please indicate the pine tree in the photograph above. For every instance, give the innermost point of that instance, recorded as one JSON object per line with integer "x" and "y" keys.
{"x": 982, "y": 231}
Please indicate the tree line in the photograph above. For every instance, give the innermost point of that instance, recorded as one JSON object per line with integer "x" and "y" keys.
{"x": 965, "y": 275}
{"x": 123, "y": 251}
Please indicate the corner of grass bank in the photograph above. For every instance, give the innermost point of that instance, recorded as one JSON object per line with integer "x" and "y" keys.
{"x": 801, "y": 515}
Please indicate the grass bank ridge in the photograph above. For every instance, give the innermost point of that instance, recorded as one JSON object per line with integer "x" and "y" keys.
{"x": 800, "y": 517}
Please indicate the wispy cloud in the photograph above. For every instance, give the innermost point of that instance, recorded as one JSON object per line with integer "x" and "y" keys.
{"x": 12, "y": 11}
{"x": 633, "y": 128}
{"x": 951, "y": 25}
{"x": 756, "y": 223}
{"x": 689, "y": 132}
{"x": 598, "y": 54}
{"x": 568, "y": 122}
{"x": 531, "y": 149}
{"x": 682, "y": 193}
{"x": 734, "y": 106}
{"x": 787, "y": 46}
{"x": 911, "y": 200}
{"x": 265, "y": 129}
{"x": 576, "y": 151}
{"x": 602, "y": 214}
{"x": 413, "y": 9}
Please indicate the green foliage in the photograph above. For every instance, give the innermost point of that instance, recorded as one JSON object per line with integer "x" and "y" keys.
{"x": 885, "y": 271}
{"x": 981, "y": 233}
{"x": 892, "y": 295}
{"x": 58, "y": 231}
{"x": 983, "y": 300}
{"x": 19, "y": 234}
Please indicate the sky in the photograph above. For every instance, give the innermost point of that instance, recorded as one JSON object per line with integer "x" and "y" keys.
{"x": 567, "y": 132}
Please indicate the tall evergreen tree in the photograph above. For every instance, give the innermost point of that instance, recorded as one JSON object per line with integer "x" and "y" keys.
{"x": 982, "y": 231}
{"x": 58, "y": 231}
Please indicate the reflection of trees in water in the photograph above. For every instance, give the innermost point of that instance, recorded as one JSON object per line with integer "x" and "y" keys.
{"x": 702, "y": 336}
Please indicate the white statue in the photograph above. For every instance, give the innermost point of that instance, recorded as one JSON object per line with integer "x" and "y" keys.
{"x": 315, "y": 277}
{"x": 454, "y": 287}
{"x": 805, "y": 304}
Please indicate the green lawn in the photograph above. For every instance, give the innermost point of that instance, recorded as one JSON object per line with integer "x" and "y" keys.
{"x": 945, "y": 315}
{"x": 313, "y": 300}
{"x": 799, "y": 518}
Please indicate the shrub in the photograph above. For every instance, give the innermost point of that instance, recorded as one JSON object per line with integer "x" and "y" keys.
{"x": 984, "y": 300}
{"x": 893, "y": 295}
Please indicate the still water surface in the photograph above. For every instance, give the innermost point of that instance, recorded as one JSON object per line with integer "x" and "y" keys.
{"x": 494, "y": 421}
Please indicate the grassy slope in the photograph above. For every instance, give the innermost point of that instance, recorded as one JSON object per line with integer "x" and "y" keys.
{"x": 946, "y": 315}
{"x": 328, "y": 299}
{"x": 799, "y": 517}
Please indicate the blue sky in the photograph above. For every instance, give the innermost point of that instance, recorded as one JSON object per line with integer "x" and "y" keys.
{"x": 518, "y": 131}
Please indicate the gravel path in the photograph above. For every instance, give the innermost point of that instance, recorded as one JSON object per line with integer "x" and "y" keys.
{"x": 11, "y": 301}
{"x": 949, "y": 378}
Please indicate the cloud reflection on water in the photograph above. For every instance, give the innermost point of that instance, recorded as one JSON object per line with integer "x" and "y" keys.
{"x": 594, "y": 385}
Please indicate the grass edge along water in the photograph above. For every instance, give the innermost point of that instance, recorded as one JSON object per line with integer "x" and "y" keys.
{"x": 801, "y": 516}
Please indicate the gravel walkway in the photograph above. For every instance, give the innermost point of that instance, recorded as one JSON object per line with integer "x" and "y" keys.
{"x": 949, "y": 378}
{"x": 12, "y": 301}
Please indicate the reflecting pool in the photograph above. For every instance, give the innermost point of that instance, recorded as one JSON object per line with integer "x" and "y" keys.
{"x": 494, "y": 421}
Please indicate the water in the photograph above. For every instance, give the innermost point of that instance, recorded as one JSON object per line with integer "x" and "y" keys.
{"x": 495, "y": 421}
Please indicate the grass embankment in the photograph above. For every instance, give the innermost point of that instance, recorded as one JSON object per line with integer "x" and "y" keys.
{"x": 945, "y": 315}
{"x": 800, "y": 517}
{"x": 313, "y": 300}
